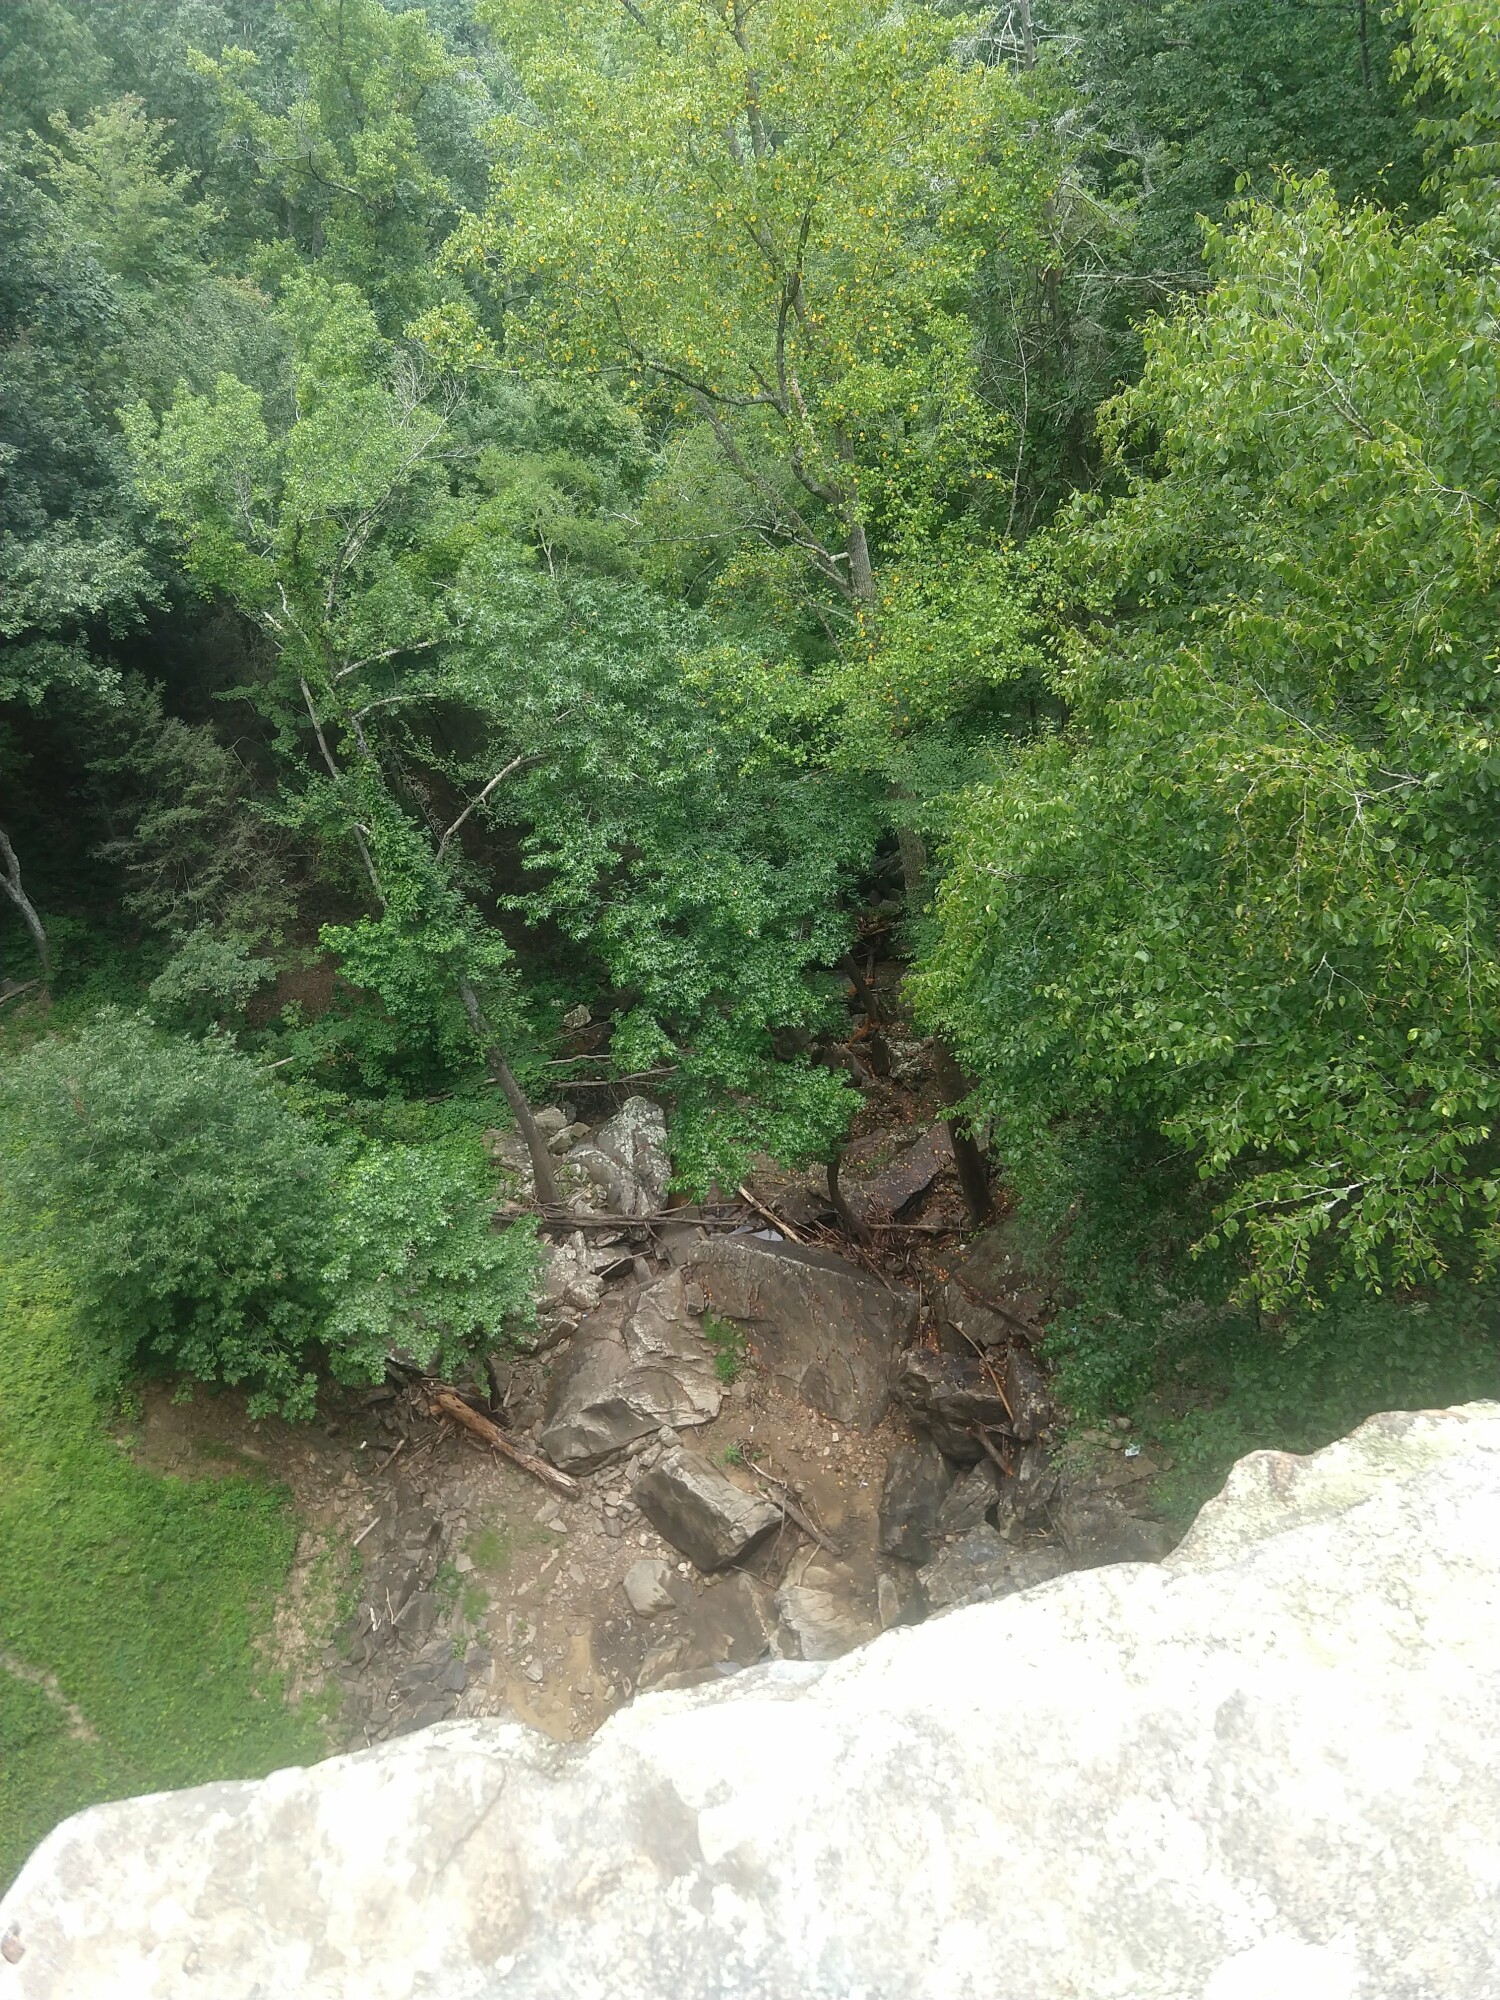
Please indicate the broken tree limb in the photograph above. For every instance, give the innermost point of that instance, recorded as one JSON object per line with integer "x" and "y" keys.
{"x": 785, "y": 1228}
{"x": 782, "y": 1498}
{"x": 453, "y": 1406}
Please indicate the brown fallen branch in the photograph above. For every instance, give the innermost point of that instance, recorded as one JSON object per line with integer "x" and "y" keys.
{"x": 626, "y": 1225}
{"x": 782, "y": 1498}
{"x": 984, "y": 1438}
{"x": 457, "y": 1410}
{"x": 783, "y": 1228}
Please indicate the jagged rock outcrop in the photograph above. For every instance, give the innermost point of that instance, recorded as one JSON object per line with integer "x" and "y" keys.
{"x": 637, "y": 1363}
{"x": 1268, "y": 1766}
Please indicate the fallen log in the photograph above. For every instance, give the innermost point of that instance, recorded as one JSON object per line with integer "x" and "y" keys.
{"x": 453, "y": 1406}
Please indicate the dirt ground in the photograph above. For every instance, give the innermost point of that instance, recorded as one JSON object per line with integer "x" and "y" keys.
{"x": 530, "y": 1585}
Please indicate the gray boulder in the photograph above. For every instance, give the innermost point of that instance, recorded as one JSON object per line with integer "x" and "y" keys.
{"x": 1267, "y": 1767}
{"x": 820, "y": 1624}
{"x": 627, "y": 1159}
{"x": 946, "y": 1396}
{"x": 635, "y": 1364}
{"x": 645, "y": 1587}
{"x": 981, "y": 1566}
{"x": 970, "y": 1500}
{"x": 829, "y": 1332}
{"x": 968, "y": 1326}
{"x": 917, "y": 1479}
{"x": 1032, "y": 1408}
{"x": 1103, "y": 1508}
{"x": 1027, "y": 1498}
{"x": 698, "y": 1510}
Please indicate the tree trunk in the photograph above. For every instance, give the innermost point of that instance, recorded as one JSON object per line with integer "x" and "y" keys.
{"x": 10, "y": 882}
{"x": 1364, "y": 48}
{"x": 913, "y": 852}
{"x": 515, "y": 1097}
{"x": 861, "y": 573}
{"x": 855, "y": 1227}
{"x": 1028, "y": 35}
{"x": 973, "y": 1175}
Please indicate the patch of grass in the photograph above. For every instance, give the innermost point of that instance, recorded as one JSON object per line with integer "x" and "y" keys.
{"x": 217, "y": 1449}
{"x": 490, "y": 1549}
{"x": 476, "y": 1601}
{"x": 728, "y": 1346}
{"x": 144, "y": 1596}
{"x": 733, "y": 1455}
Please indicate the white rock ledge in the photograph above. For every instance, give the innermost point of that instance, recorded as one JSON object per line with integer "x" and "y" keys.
{"x": 1268, "y": 1769}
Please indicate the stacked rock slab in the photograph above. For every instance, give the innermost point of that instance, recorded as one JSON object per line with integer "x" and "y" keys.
{"x": 1267, "y": 1767}
{"x": 637, "y": 1363}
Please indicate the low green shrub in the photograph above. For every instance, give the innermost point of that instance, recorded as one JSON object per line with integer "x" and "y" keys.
{"x": 203, "y": 1227}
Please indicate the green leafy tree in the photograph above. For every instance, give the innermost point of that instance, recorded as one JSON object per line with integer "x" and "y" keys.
{"x": 697, "y": 848}
{"x": 375, "y": 545}
{"x": 418, "y": 1267}
{"x": 365, "y": 142}
{"x": 1248, "y": 902}
{"x": 188, "y": 1209}
{"x": 202, "y": 1226}
{"x": 1186, "y": 102}
{"x": 772, "y": 217}
{"x": 329, "y": 535}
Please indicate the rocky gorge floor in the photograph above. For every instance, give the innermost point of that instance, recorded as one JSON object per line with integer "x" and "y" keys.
{"x": 775, "y": 1442}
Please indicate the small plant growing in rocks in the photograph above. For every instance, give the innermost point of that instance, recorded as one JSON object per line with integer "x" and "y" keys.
{"x": 728, "y": 1347}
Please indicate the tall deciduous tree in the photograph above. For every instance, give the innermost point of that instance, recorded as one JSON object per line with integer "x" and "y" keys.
{"x": 773, "y": 214}
{"x": 323, "y": 534}
{"x": 1250, "y": 900}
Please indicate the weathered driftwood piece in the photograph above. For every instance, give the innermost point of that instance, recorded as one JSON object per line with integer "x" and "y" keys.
{"x": 455, "y": 1408}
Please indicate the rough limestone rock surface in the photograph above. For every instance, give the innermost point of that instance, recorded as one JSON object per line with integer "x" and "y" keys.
{"x": 1267, "y": 1769}
{"x": 831, "y": 1333}
{"x": 627, "y": 1158}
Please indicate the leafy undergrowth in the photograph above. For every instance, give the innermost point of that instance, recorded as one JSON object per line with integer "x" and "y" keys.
{"x": 132, "y": 1604}
{"x": 1243, "y": 1389}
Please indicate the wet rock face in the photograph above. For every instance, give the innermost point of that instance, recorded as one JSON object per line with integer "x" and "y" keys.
{"x": 829, "y": 1332}
{"x": 1269, "y": 1766}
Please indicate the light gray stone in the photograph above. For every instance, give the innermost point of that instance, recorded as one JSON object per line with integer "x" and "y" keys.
{"x": 820, "y": 1617}
{"x": 645, "y": 1585}
{"x": 636, "y": 1364}
{"x": 627, "y": 1158}
{"x": 831, "y": 1333}
{"x": 691, "y": 1503}
{"x": 1267, "y": 1769}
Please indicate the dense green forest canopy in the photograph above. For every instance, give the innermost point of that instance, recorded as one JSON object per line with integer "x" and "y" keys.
{"x": 517, "y": 503}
